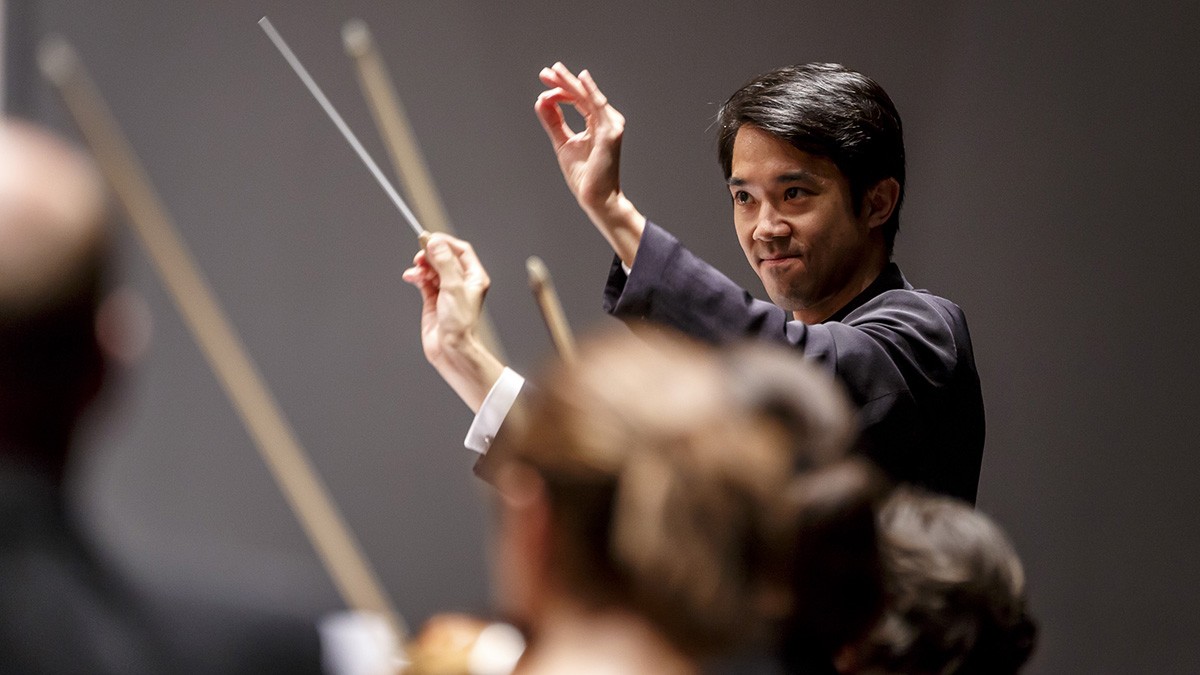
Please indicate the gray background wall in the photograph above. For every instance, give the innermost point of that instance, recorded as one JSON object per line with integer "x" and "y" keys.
{"x": 1052, "y": 178}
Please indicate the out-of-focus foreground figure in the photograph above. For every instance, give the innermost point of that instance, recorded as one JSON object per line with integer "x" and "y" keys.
{"x": 651, "y": 504}
{"x": 61, "y": 611}
{"x": 956, "y": 598}
{"x": 63, "y": 607}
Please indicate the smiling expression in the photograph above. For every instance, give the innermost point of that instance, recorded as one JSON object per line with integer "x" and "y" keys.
{"x": 796, "y": 223}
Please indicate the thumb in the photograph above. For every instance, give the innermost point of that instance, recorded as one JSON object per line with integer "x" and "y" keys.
{"x": 442, "y": 258}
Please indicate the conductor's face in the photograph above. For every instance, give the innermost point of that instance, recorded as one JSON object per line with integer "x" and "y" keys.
{"x": 797, "y": 225}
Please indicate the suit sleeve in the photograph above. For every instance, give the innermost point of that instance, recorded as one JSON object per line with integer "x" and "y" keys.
{"x": 895, "y": 349}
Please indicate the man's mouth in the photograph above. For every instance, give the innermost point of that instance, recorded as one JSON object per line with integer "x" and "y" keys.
{"x": 777, "y": 259}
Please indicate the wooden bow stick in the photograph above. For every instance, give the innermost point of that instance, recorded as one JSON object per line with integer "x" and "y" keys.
{"x": 307, "y": 496}
{"x": 401, "y": 143}
{"x": 552, "y": 312}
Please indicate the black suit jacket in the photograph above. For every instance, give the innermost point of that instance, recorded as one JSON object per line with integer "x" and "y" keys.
{"x": 65, "y": 610}
{"x": 61, "y": 610}
{"x": 904, "y": 355}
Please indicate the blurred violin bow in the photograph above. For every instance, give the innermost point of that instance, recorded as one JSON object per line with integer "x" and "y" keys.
{"x": 401, "y": 143}
{"x": 552, "y": 312}
{"x": 274, "y": 438}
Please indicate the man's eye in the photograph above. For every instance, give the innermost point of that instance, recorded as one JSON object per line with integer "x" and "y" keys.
{"x": 791, "y": 193}
{"x": 741, "y": 197}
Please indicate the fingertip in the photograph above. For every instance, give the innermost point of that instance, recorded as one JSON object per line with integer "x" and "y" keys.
{"x": 552, "y": 97}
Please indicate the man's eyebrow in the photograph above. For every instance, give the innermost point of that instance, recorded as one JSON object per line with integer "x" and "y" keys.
{"x": 797, "y": 176}
{"x": 789, "y": 177}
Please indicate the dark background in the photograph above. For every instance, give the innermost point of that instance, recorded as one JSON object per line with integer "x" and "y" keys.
{"x": 1052, "y": 179}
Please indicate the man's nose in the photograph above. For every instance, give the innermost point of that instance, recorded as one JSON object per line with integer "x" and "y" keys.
{"x": 771, "y": 224}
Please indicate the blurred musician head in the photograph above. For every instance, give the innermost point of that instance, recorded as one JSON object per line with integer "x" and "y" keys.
{"x": 52, "y": 243}
{"x": 65, "y": 610}
{"x": 955, "y": 588}
{"x": 650, "y": 503}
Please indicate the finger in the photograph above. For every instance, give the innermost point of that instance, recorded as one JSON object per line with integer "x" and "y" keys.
{"x": 444, "y": 261}
{"x": 420, "y": 261}
{"x": 454, "y": 242}
{"x": 420, "y": 274}
{"x": 422, "y": 267}
{"x": 568, "y": 82}
{"x": 555, "y": 76}
{"x": 589, "y": 100}
{"x": 473, "y": 269}
{"x": 573, "y": 92}
{"x": 458, "y": 246}
{"x": 422, "y": 277}
{"x": 426, "y": 285}
{"x": 551, "y": 117}
{"x": 548, "y": 78}
{"x": 429, "y": 295}
{"x": 594, "y": 94}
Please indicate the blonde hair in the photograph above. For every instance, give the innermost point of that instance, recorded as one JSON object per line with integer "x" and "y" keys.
{"x": 669, "y": 468}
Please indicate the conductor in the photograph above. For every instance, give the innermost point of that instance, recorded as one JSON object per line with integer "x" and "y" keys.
{"x": 814, "y": 162}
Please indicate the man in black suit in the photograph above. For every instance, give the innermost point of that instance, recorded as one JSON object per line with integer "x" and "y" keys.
{"x": 813, "y": 157}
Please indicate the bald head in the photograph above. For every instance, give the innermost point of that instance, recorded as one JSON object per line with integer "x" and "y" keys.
{"x": 51, "y": 219}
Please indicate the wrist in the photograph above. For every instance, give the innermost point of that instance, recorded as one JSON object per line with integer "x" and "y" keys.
{"x": 621, "y": 224}
{"x": 470, "y": 370}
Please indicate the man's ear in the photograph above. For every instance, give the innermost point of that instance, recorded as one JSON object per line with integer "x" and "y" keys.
{"x": 880, "y": 201}
{"x": 124, "y": 326}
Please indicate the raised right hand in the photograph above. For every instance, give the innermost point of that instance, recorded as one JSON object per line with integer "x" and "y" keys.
{"x": 453, "y": 283}
{"x": 590, "y": 160}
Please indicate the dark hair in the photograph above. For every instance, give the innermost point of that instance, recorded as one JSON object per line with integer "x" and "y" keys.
{"x": 838, "y": 573}
{"x": 827, "y": 110}
{"x": 956, "y": 599}
{"x": 48, "y": 352}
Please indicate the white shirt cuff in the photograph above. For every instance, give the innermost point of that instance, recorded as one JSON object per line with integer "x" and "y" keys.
{"x": 358, "y": 643}
{"x": 493, "y": 411}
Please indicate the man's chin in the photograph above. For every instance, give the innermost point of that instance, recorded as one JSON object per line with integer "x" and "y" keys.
{"x": 785, "y": 300}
